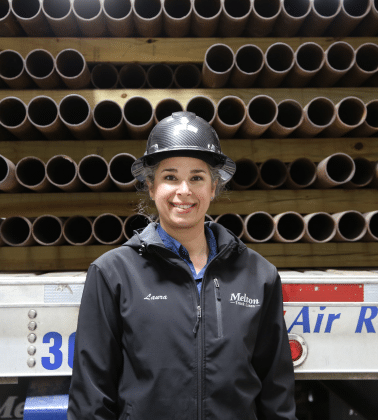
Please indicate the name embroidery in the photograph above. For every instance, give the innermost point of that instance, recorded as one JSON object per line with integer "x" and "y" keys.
{"x": 150, "y": 297}
{"x": 239, "y": 299}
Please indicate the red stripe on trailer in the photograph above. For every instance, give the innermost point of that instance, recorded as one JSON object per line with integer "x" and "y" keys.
{"x": 323, "y": 292}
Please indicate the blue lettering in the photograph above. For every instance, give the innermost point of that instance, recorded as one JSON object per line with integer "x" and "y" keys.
{"x": 331, "y": 318}
{"x": 367, "y": 321}
{"x": 319, "y": 320}
{"x": 54, "y": 350}
{"x": 71, "y": 348}
{"x": 304, "y": 313}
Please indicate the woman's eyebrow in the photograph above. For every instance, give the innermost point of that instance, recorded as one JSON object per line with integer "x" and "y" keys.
{"x": 194, "y": 171}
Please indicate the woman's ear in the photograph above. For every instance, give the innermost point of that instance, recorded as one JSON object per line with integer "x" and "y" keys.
{"x": 150, "y": 190}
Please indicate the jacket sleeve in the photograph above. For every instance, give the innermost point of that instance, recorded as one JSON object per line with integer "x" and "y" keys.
{"x": 272, "y": 359}
{"x": 98, "y": 353}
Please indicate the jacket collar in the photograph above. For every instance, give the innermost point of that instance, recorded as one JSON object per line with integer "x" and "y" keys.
{"x": 148, "y": 236}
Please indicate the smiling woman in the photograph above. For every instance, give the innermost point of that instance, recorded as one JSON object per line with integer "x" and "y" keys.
{"x": 163, "y": 304}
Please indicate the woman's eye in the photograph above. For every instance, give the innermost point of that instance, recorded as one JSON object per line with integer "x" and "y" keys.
{"x": 169, "y": 177}
{"x": 198, "y": 178}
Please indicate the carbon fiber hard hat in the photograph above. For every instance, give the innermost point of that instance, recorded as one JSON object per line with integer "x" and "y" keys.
{"x": 184, "y": 134}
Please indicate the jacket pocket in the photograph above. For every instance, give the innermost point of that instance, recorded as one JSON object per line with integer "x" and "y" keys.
{"x": 218, "y": 306}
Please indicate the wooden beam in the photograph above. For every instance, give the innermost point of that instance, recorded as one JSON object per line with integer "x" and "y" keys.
{"x": 94, "y": 96}
{"x": 257, "y": 150}
{"x": 332, "y": 254}
{"x": 242, "y": 202}
{"x": 155, "y": 50}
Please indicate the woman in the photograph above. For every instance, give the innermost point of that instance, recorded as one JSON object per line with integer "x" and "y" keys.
{"x": 183, "y": 321}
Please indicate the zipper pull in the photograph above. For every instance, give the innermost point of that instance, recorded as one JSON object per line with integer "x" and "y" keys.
{"x": 217, "y": 289}
{"x": 195, "y": 329}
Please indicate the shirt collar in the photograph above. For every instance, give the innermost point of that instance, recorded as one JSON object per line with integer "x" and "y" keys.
{"x": 175, "y": 245}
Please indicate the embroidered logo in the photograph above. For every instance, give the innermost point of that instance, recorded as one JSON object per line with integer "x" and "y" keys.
{"x": 150, "y": 297}
{"x": 244, "y": 300}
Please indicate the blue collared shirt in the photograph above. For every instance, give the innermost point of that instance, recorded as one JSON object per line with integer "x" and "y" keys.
{"x": 181, "y": 251}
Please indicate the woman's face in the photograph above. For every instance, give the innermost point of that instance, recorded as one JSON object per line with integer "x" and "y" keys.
{"x": 182, "y": 192}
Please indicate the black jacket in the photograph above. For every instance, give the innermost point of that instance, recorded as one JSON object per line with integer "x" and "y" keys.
{"x": 148, "y": 347}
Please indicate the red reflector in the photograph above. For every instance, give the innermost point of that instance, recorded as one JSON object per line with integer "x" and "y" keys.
{"x": 296, "y": 349}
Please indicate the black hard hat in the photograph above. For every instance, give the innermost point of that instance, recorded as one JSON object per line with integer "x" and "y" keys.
{"x": 184, "y": 134}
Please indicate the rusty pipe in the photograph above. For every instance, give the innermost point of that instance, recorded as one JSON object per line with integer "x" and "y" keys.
{"x": 8, "y": 22}
{"x": 249, "y": 61}
{"x": 165, "y": 107}
{"x": 31, "y": 174}
{"x": 187, "y": 76}
{"x": 108, "y": 229}
{"x": 148, "y": 17}
{"x": 30, "y": 16}
{"x": 369, "y": 24}
{"x": 2, "y": 243}
{"x": 133, "y": 222}
{"x": 258, "y": 227}
{"x": 318, "y": 114}
{"x": 17, "y": 231}
{"x": 217, "y": 66}
{"x": 320, "y": 227}
{"x": 350, "y": 113}
{"x": 104, "y": 76}
{"x": 371, "y": 219}
{"x": 289, "y": 118}
{"x": 234, "y": 17}
{"x": 309, "y": 59}
{"x": 8, "y": 180}
{"x": 230, "y": 115}
{"x": 6, "y": 135}
{"x": 273, "y": 174}
{"x": 352, "y": 12}
{"x": 232, "y": 221}
{"x": 263, "y": 16}
{"x": 301, "y": 173}
{"x": 363, "y": 175}
{"x": 288, "y": 227}
{"x": 160, "y": 76}
{"x": 139, "y": 117}
{"x": 339, "y": 59}
{"x": 73, "y": 69}
{"x": 291, "y": 18}
{"x": 374, "y": 183}
{"x": 42, "y": 112}
{"x": 132, "y": 76}
{"x": 77, "y": 230}
{"x": 13, "y": 116}
{"x": 94, "y": 173}
{"x": 61, "y": 18}
{"x": 365, "y": 66}
{"x": 321, "y": 15}
{"x": 205, "y": 17}
{"x": 12, "y": 70}
{"x": 262, "y": 110}
{"x": 246, "y": 174}
{"x": 108, "y": 117}
{"x": 279, "y": 60}
{"x": 90, "y": 17}
{"x": 62, "y": 172}
{"x": 177, "y": 16}
{"x": 208, "y": 218}
{"x": 370, "y": 125}
{"x": 119, "y": 17}
{"x": 40, "y": 65}
{"x": 48, "y": 230}
{"x": 203, "y": 106}
{"x": 350, "y": 226}
{"x": 120, "y": 171}
{"x": 334, "y": 170}
{"x": 77, "y": 115}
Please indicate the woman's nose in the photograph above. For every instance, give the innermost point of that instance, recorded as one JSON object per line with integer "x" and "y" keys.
{"x": 183, "y": 188}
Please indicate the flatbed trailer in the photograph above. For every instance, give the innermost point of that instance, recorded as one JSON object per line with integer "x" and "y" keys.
{"x": 331, "y": 317}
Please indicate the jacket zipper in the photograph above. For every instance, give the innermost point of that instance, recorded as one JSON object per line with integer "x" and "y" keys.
{"x": 198, "y": 332}
{"x": 218, "y": 305}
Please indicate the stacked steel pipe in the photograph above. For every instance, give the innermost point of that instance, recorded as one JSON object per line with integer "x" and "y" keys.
{"x": 257, "y": 227}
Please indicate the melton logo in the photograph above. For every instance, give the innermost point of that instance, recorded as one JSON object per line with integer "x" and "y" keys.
{"x": 150, "y": 297}
{"x": 244, "y": 300}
